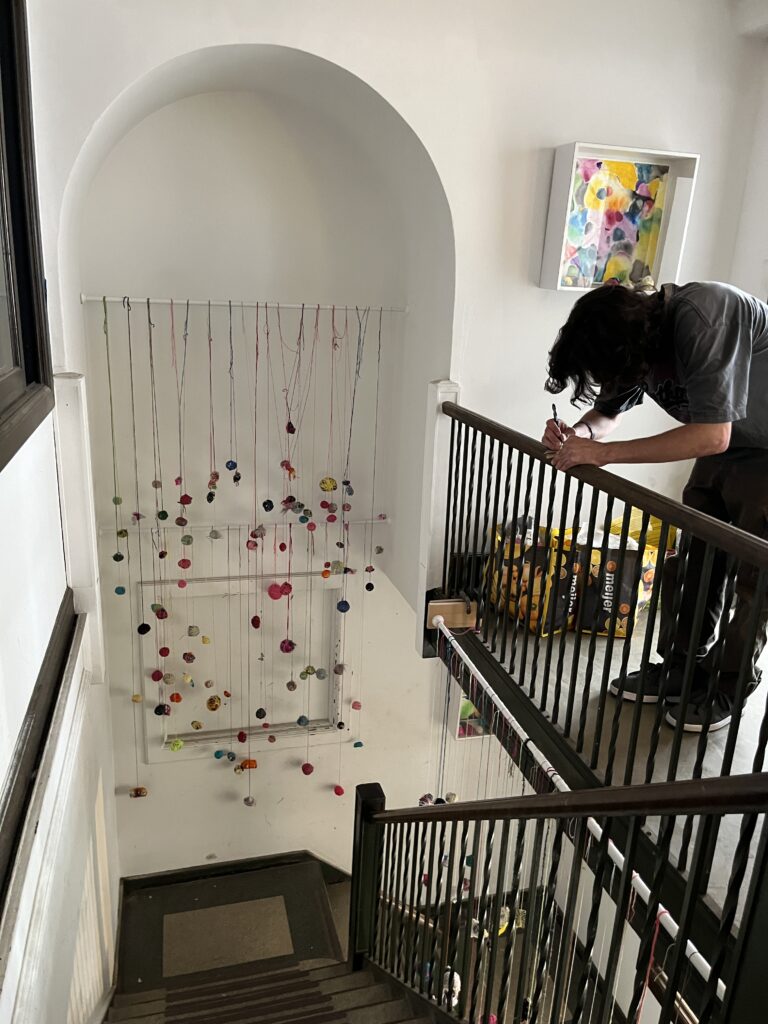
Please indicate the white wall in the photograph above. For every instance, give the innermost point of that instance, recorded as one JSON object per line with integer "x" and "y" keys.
{"x": 57, "y": 939}
{"x": 750, "y": 262}
{"x": 32, "y": 579}
{"x": 490, "y": 89}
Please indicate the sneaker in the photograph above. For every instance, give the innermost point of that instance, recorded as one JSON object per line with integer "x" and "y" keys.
{"x": 696, "y": 714}
{"x": 651, "y": 686}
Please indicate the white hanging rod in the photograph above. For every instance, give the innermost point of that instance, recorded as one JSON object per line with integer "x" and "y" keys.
{"x": 307, "y": 306}
{"x": 663, "y": 917}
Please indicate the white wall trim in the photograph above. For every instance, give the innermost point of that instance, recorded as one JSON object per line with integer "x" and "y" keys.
{"x": 46, "y": 806}
{"x": 436, "y": 447}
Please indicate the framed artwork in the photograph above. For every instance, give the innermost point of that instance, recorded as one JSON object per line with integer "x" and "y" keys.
{"x": 616, "y": 215}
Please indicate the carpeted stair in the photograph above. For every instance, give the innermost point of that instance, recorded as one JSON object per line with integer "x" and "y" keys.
{"x": 288, "y": 991}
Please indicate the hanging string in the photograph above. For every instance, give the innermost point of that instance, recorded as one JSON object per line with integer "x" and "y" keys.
{"x": 117, "y": 500}
{"x": 144, "y": 626}
{"x": 232, "y": 461}
{"x": 180, "y": 382}
{"x": 369, "y": 586}
{"x": 362, "y": 327}
{"x": 157, "y": 458}
{"x": 214, "y": 476}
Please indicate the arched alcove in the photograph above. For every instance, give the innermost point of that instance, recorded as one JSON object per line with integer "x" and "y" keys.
{"x": 258, "y": 173}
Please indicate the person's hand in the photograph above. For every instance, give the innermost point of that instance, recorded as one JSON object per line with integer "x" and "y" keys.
{"x": 556, "y": 434}
{"x": 579, "y": 451}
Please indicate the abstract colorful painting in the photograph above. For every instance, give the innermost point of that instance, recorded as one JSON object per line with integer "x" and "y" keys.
{"x": 614, "y": 221}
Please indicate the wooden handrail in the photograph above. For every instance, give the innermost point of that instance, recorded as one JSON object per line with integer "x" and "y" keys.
{"x": 732, "y": 794}
{"x": 742, "y": 545}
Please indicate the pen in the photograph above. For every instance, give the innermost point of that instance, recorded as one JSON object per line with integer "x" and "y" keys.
{"x": 554, "y": 414}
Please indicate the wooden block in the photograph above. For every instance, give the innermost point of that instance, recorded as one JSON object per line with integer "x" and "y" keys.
{"x": 454, "y": 612}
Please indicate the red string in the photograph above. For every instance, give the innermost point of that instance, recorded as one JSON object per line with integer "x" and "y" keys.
{"x": 647, "y": 981}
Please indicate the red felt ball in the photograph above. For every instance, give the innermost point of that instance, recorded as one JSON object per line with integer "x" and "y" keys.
{"x": 181, "y": 584}
{"x": 327, "y": 565}
{"x": 242, "y": 736}
{"x": 227, "y": 693}
{"x": 338, "y": 790}
{"x": 307, "y": 768}
{"x": 185, "y": 499}
{"x": 265, "y": 725}
{"x": 283, "y": 546}
{"x": 157, "y": 675}
{"x": 275, "y": 591}
{"x": 331, "y": 518}
{"x": 251, "y": 545}
{"x": 323, "y": 504}
{"x": 184, "y": 563}
{"x": 311, "y": 527}
{"x": 175, "y": 698}
{"x": 256, "y": 621}
{"x": 346, "y": 507}
{"x": 161, "y": 613}
{"x": 356, "y": 705}
{"x": 285, "y": 589}
{"x": 164, "y": 652}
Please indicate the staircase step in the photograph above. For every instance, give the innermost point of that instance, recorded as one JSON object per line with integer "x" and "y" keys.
{"x": 391, "y": 1012}
{"x": 223, "y": 986}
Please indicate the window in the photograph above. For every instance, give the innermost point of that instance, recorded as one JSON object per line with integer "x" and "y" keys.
{"x": 26, "y": 395}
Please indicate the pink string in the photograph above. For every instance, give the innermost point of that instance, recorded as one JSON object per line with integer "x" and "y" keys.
{"x": 647, "y": 981}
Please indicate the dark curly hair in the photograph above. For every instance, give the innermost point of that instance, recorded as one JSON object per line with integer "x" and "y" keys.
{"x": 612, "y": 336}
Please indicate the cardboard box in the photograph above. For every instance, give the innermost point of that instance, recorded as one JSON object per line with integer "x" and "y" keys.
{"x": 542, "y": 586}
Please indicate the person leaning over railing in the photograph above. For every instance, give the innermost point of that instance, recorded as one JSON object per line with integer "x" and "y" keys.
{"x": 700, "y": 351}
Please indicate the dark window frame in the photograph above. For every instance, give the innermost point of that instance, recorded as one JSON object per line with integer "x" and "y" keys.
{"x": 26, "y": 392}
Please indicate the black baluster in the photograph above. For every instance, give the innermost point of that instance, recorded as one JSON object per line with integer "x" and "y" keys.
{"x": 571, "y": 563}
{"x": 434, "y": 988}
{"x": 427, "y": 904}
{"x": 684, "y": 548}
{"x": 481, "y": 916}
{"x": 513, "y": 528}
{"x": 531, "y": 919}
{"x": 466, "y": 959}
{"x": 637, "y": 578}
{"x": 484, "y": 614}
{"x": 502, "y": 592}
{"x": 547, "y": 913}
{"x": 540, "y": 625}
{"x": 645, "y": 657}
{"x": 578, "y": 625}
{"x": 473, "y": 586}
{"x": 456, "y": 914}
{"x": 690, "y": 902}
{"x": 509, "y": 946}
{"x": 690, "y": 661}
{"x": 560, "y": 994}
{"x": 650, "y": 923}
{"x": 448, "y": 910}
{"x": 553, "y": 609}
{"x": 607, "y": 1004}
{"x": 421, "y": 919}
{"x": 450, "y": 506}
{"x": 392, "y": 831}
{"x": 468, "y": 509}
{"x": 400, "y": 960}
{"x": 535, "y": 528}
{"x": 602, "y": 864}
{"x": 498, "y": 904}
{"x": 393, "y": 951}
{"x": 604, "y": 556}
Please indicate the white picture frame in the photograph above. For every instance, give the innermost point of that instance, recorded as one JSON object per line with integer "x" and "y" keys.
{"x": 679, "y": 181}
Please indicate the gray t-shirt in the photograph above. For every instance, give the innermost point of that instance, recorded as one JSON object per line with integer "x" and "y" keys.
{"x": 714, "y": 367}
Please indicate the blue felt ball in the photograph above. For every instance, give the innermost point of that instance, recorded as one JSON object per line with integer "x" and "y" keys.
{"x": 120, "y": 591}
{"x": 357, "y": 744}
{"x": 302, "y": 720}
{"x": 231, "y": 756}
{"x": 231, "y": 464}
{"x": 218, "y": 754}
{"x": 343, "y": 606}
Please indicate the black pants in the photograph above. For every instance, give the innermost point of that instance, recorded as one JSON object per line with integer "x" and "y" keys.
{"x": 732, "y": 487}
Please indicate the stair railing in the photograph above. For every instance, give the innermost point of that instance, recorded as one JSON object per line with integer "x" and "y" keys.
{"x": 566, "y": 575}
{"x": 531, "y": 909}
